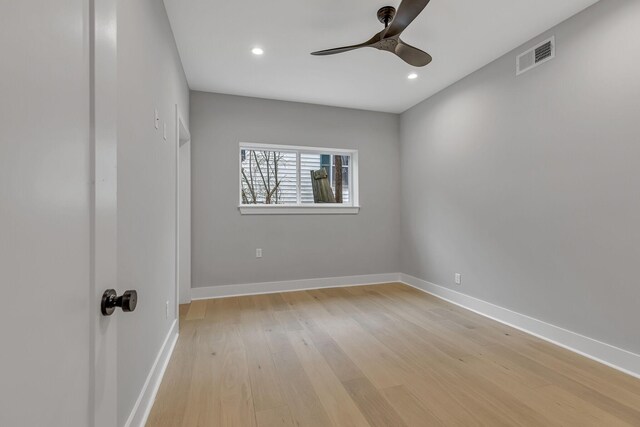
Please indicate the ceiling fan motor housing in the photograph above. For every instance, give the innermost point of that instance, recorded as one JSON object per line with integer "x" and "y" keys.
{"x": 386, "y": 14}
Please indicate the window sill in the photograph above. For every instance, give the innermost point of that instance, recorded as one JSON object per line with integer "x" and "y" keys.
{"x": 298, "y": 210}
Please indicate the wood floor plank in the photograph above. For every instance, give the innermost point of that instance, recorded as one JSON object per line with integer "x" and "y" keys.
{"x": 541, "y": 399}
{"x": 343, "y": 367}
{"x": 373, "y": 405}
{"x": 409, "y": 408}
{"x": 441, "y": 386}
{"x": 302, "y": 399}
{"x": 591, "y": 396}
{"x": 265, "y": 388}
{"x": 570, "y": 410}
{"x": 223, "y": 311}
{"x": 183, "y": 309}
{"x": 368, "y": 399}
{"x": 375, "y": 360}
{"x": 334, "y": 397}
{"x": 278, "y": 303}
{"x": 237, "y": 408}
{"x": 599, "y": 370}
{"x": 384, "y": 355}
{"x": 203, "y": 400}
{"x": 197, "y": 310}
{"x": 275, "y": 417}
{"x": 432, "y": 392}
{"x": 171, "y": 402}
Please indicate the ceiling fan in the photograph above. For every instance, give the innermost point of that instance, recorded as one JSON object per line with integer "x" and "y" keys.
{"x": 389, "y": 38}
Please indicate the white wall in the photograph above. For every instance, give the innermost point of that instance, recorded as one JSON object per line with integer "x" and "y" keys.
{"x": 150, "y": 76}
{"x": 530, "y": 187}
{"x": 45, "y": 188}
{"x": 294, "y": 246}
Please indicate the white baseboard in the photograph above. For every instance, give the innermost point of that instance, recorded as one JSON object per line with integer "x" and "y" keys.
{"x": 142, "y": 408}
{"x": 290, "y": 286}
{"x": 609, "y": 355}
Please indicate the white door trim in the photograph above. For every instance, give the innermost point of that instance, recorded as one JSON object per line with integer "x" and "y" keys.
{"x": 102, "y": 24}
{"x": 182, "y": 136}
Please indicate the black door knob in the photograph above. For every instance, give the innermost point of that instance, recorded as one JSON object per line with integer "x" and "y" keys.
{"x": 110, "y": 300}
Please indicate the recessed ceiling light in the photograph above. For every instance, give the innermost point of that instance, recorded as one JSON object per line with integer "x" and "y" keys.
{"x": 257, "y": 51}
{"x": 412, "y": 76}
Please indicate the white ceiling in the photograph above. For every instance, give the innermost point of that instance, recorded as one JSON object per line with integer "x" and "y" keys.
{"x": 215, "y": 39}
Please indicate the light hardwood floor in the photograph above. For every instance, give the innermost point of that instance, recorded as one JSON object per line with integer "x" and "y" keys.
{"x": 384, "y": 355}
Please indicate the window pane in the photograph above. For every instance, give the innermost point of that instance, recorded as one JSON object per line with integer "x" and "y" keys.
{"x": 268, "y": 177}
{"x": 315, "y": 162}
{"x": 341, "y": 180}
{"x": 325, "y": 161}
{"x": 308, "y": 163}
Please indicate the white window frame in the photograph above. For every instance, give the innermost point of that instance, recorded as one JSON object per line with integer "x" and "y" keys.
{"x": 351, "y": 208}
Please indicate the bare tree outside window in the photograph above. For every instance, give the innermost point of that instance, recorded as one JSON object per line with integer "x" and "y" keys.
{"x": 263, "y": 175}
{"x": 337, "y": 178}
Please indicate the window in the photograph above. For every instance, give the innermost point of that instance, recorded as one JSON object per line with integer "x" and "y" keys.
{"x": 279, "y": 179}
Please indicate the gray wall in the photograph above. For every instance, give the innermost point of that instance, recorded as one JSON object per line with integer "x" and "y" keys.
{"x": 530, "y": 186}
{"x": 150, "y": 76}
{"x": 294, "y": 246}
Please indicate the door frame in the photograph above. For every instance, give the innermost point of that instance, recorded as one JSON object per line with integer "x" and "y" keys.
{"x": 183, "y": 137}
{"x": 102, "y": 68}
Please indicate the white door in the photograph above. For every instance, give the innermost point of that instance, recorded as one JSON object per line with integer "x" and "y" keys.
{"x": 57, "y": 212}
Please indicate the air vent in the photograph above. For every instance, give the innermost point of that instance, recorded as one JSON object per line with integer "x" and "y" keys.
{"x": 535, "y": 56}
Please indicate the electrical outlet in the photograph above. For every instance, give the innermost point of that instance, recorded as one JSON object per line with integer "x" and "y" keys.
{"x": 166, "y": 310}
{"x": 258, "y": 253}
{"x": 458, "y": 278}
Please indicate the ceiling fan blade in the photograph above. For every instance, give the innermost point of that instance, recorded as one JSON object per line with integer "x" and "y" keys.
{"x": 339, "y": 50}
{"x": 373, "y": 40}
{"x": 412, "y": 55}
{"x": 407, "y": 12}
